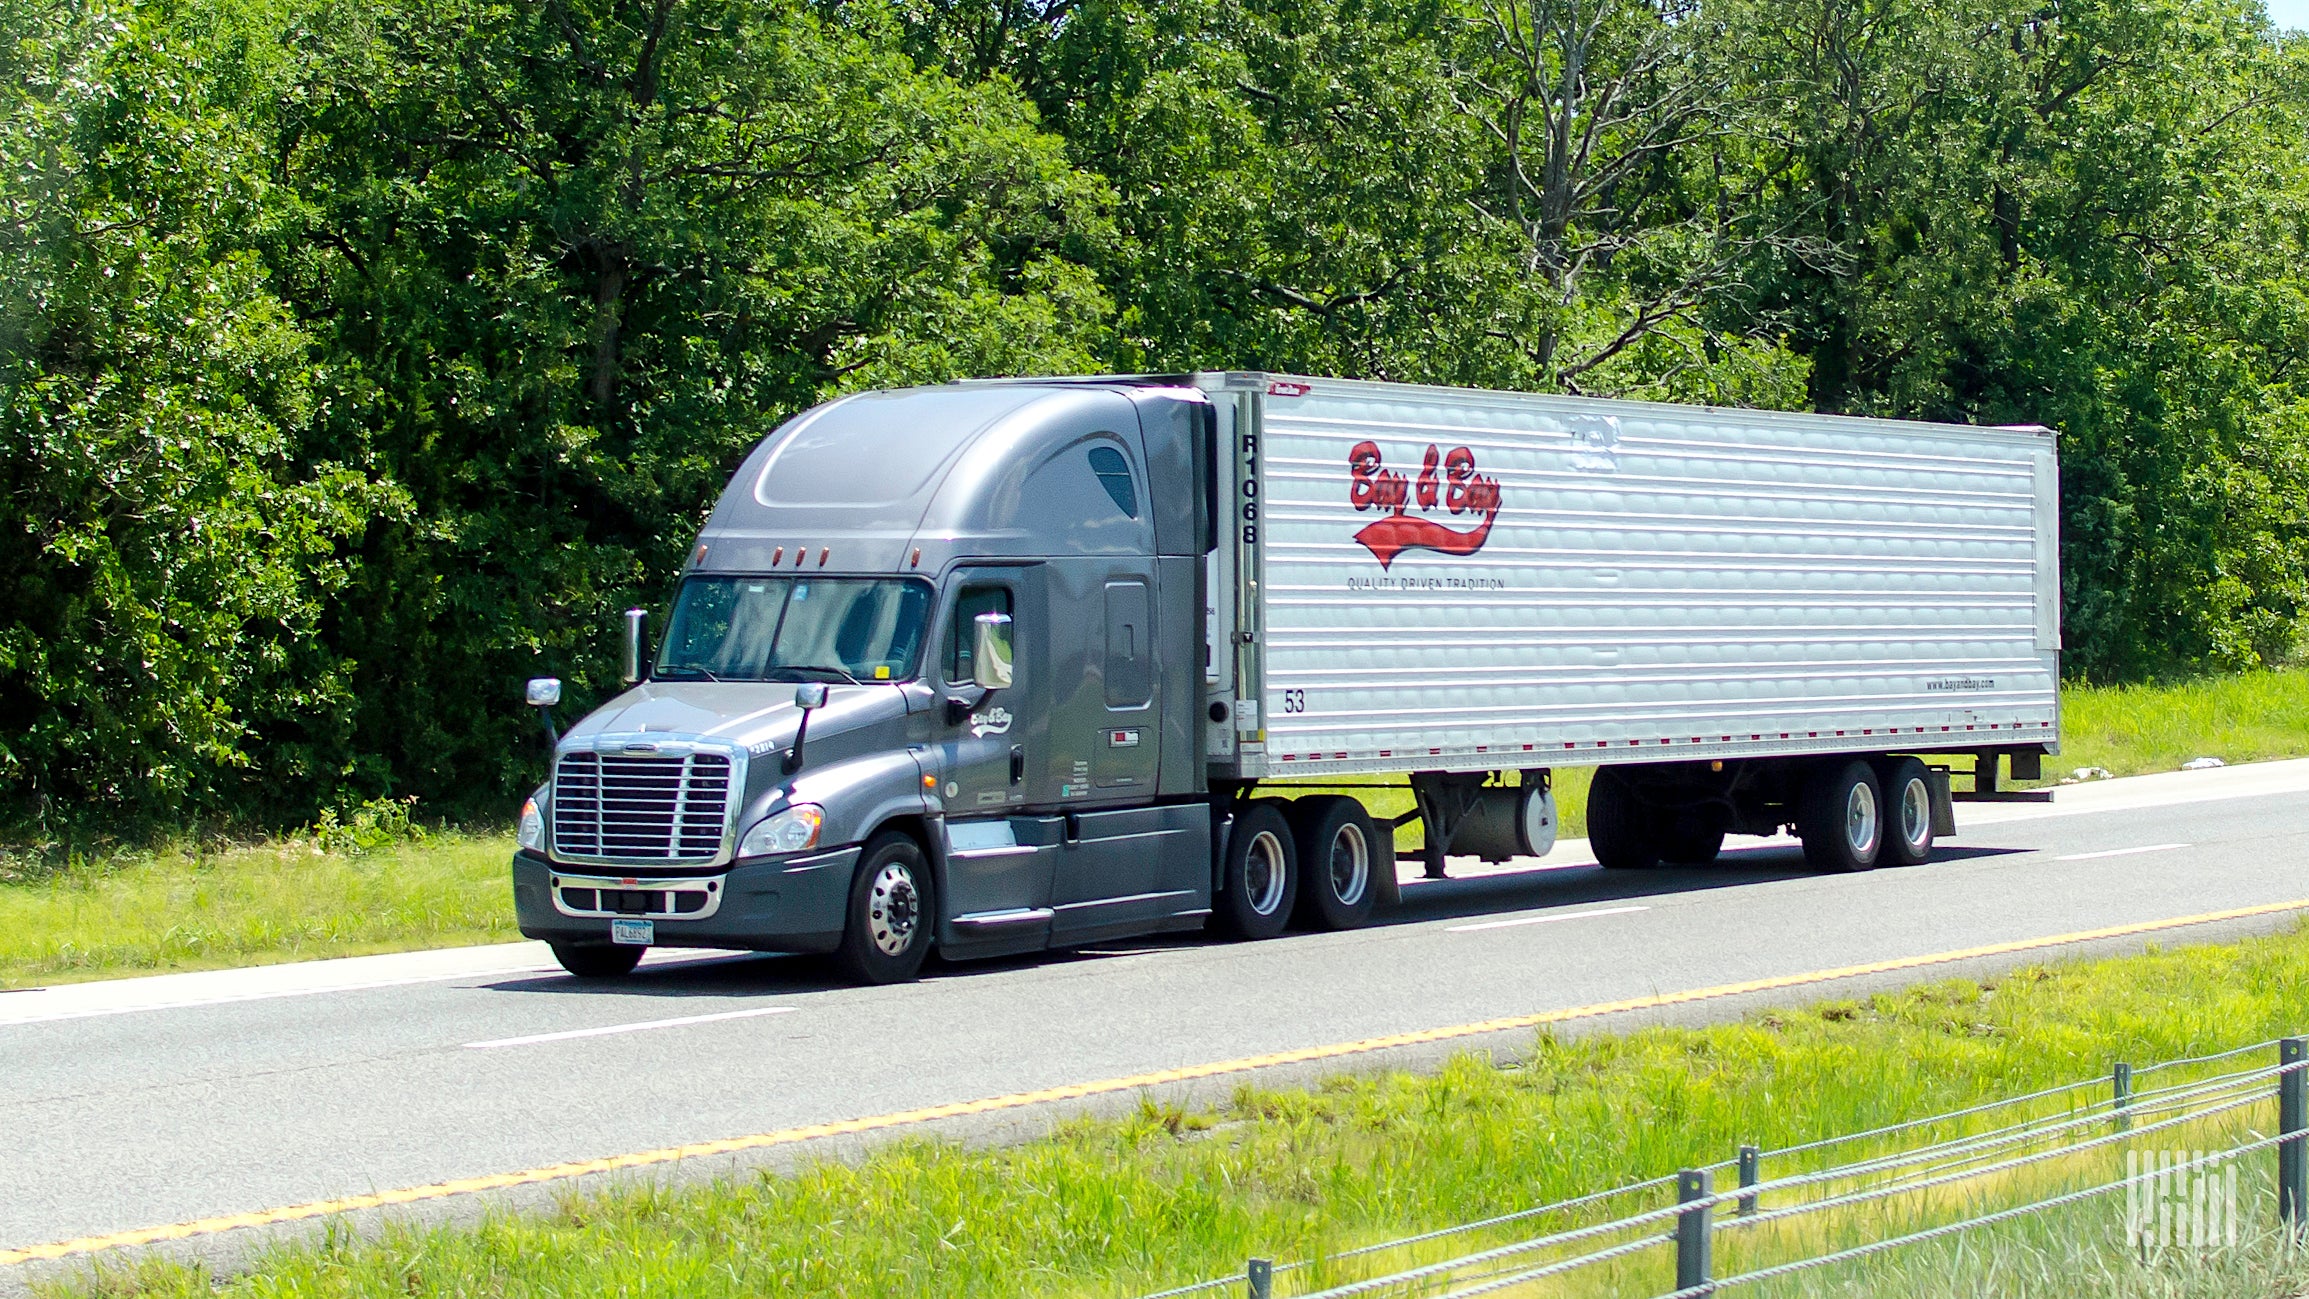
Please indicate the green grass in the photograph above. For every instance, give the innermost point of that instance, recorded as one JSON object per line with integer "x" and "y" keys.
{"x": 179, "y": 909}
{"x": 2129, "y": 730}
{"x": 1164, "y": 1195}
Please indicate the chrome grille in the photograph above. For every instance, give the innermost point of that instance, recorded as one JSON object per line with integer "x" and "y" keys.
{"x": 641, "y": 808}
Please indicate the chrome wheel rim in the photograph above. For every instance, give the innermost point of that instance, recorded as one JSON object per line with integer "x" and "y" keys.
{"x": 1860, "y": 820}
{"x": 1916, "y": 814}
{"x": 1265, "y": 871}
{"x": 1350, "y": 865}
{"x": 893, "y": 909}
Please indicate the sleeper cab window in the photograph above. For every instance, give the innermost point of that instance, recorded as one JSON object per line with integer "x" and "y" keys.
{"x": 962, "y": 637}
{"x": 1114, "y": 475}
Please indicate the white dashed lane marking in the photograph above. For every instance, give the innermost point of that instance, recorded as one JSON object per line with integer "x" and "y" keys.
{"x": 1541, "y": 920}
{"x": 643, "y": 1026}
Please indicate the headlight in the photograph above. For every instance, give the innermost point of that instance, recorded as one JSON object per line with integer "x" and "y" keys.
{"x": 531, "y": 835}
{"x": 792, "y": 830}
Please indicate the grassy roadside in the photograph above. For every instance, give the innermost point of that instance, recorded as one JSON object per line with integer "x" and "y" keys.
{"x": 1117, "y": 1207}
{"x": 181, "y": 909}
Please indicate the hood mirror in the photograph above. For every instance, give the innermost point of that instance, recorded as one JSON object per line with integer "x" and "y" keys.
{"x": 990, "y": 656}
{"x": 810, "y": 696}
{"x": 542, "y": 695}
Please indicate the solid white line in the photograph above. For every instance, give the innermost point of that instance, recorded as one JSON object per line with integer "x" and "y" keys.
{"x": 606, "y": 1030}
{"x": 2120, "y": 852}
{"x": 1541, "y": 920}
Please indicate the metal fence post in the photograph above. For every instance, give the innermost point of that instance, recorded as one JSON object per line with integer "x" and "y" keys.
{"x": 1261, "y": 1276}
{"x": 2121, "y": 1093}
{"x": 1694, "y": 1230}
{"x": 2292, "y": 1118}
{"x": 1751, "y": 1172}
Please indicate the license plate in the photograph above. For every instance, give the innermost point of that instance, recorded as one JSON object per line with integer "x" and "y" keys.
{"x": 633, "y": 933}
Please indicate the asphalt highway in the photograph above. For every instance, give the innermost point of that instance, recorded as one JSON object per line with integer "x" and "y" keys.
{"x": 173, "y": 1103}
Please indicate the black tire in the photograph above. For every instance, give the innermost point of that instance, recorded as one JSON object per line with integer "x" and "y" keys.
{"x": 1619, "y": 824}
{"x": 1339, "y": 861}
{"x": 1689, "y": 840}
{"x": 888, "y": 929}
{"x": 597, "y": 960}
{"x": 1907, "y": 790}
{"x": 1259, "y": 880}
{"x": 1840, "y": 817}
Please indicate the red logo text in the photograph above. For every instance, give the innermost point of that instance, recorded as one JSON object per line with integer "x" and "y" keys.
{"x": 1458, "y": 490}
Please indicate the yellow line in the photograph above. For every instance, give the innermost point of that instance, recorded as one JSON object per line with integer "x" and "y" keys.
{"x": 1076, "y": 1091}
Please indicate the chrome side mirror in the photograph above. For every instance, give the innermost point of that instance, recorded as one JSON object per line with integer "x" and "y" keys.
{"x": 633, "y": 621}
{"x": 990, "y": 657}
{"x": 543, "y": 694}
{"x": 809, "y": 696}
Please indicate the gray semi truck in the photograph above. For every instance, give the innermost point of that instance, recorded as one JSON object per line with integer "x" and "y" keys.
{"x": 1006, "y": 665}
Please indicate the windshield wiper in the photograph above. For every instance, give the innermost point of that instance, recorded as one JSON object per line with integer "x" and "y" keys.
{"x": 668, "y": 670}
{"x": 837, "y": 673}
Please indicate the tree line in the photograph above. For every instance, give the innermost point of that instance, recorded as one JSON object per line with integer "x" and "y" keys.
{"x": 360, "y": 358}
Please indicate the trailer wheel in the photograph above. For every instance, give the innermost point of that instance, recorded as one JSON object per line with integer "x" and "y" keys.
{"x": 1619, "y": 824}
{"x": 1840, "y": 817}
{"x": 1338, "y": 861}
{"x": 1259, "y": 883}
{"x": 1908, "y": 812}
{"x": 597, "y": 960}
{"x": 886, "y": 934}
{"x": 1689, "y": 840}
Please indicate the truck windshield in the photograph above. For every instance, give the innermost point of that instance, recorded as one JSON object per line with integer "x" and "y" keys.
{"x": 793, "y": 629}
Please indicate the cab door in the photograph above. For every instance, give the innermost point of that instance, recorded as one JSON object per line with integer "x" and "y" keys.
{"x": 985, "y": 740}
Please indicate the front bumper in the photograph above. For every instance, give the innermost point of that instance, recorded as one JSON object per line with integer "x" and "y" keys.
{"x": 795, "y": 905}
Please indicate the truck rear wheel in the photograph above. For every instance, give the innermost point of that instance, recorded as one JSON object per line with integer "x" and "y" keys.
{"x": 1690, "y": 841}
{"x": 1338, "y": 861}
{"x": 1907, "y": 813}
{"x": 1619, "y": 824}
{"x": 1259, "y": 880}
{"x": 1840, "y": 817}
{"x": 886, "y": 934}
{"x": 597, "y": 960}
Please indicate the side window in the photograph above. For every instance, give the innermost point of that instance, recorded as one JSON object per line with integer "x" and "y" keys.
{"x": 1114, "y": 475}
{"x": 962, "y": 637}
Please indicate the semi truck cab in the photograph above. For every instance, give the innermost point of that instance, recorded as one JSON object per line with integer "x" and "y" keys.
{"x": 931, "y": 678}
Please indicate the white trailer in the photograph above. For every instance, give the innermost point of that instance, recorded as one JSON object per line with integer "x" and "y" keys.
{"x": 1434, "y": 580}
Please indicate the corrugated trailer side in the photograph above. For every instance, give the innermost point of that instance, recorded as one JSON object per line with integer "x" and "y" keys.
{"x": 1452, "y": 580}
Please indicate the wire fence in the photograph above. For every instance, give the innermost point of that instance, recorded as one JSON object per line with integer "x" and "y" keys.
{"x": 1690, "y": 1226}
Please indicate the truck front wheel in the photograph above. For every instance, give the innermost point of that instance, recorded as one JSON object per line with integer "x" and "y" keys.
{"x": 887, "y": 932}
{"x": 1259, "y": 882}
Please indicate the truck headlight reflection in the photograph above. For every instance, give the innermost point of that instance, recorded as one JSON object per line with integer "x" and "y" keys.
{"x": 793, "y": 830}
